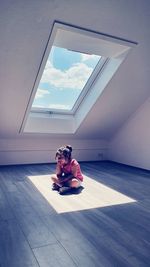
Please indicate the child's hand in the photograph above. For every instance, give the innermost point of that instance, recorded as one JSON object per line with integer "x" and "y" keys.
{"x": 64, "y": 177}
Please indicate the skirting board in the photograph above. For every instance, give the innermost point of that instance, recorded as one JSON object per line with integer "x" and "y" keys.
{"x": 13, "y": 157}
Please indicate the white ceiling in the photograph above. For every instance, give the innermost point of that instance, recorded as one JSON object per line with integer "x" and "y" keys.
{"x": 24, "y": 31}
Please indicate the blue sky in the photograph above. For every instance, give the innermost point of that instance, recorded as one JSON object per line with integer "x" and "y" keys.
{"x": 65, "y": 74}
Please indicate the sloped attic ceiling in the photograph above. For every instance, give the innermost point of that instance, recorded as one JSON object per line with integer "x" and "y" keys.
{"x": 24, "y": 31}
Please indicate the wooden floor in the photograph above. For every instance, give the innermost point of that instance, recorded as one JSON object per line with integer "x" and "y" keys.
{"x": 106, "y": 224}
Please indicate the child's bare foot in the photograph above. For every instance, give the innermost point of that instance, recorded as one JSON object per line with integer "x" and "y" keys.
{"x": 55, "y": 187}
{"x": 64, "y": 189}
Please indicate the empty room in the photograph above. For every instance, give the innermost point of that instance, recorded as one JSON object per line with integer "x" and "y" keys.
{"x": 74, "y": 133}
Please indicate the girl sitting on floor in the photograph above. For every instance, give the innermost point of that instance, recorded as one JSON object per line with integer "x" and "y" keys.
{"x": 68, "y": 173}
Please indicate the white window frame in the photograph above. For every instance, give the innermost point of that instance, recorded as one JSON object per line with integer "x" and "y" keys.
{"x": 113, "y": 50}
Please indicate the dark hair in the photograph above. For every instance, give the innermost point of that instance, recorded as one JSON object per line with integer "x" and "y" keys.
{"x": 65, "y": 151}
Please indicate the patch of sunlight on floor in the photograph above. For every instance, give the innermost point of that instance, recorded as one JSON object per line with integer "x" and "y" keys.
{"x": 94, "y": 195}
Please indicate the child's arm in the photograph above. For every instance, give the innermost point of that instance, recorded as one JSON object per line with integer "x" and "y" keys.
{"x": 71, "y": 175}
{"x": 65, "y": 177}
{"x": 58, "y": 170}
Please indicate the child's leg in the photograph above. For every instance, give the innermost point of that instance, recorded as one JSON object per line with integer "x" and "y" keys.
{"x": 74, "y": 183}
{"x": 70, "y": 185}
{"x": 56, "y": 180}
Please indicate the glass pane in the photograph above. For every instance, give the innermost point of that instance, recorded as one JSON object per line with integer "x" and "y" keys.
{"x": 64, "y": 77}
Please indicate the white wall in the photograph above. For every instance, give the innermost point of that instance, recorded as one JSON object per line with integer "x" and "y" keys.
{"x": 42, "y": 150}
{"x": 131, "y": 145}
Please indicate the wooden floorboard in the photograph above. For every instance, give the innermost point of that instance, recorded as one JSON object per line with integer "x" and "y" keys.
{"x": 106, "y": 225}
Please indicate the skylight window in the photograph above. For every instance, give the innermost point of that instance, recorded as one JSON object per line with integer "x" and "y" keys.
{"x": 76, "y": 67}
{"x": 64, "y": 78}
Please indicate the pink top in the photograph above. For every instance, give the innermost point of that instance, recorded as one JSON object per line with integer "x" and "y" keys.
{"x": 68, "y": 168}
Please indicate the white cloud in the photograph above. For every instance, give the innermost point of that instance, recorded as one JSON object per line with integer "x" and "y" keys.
{"x": 41, "y": 93}
{"x": 59, "y": 106}
{"x": 37, "y": 106}
{"x": 85, "y": 57}
{"x": 74, "y": 77}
